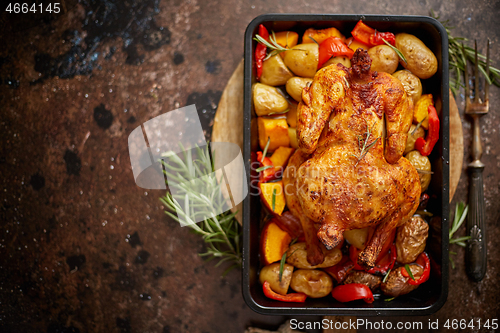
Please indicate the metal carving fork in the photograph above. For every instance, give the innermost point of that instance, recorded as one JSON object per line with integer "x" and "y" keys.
{"x": 475, "y": 256}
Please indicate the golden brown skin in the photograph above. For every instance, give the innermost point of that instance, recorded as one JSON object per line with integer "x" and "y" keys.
{"x": 337, "y": 188}
{"x": 314, "y": 253}
{"x": 411, "y": 239}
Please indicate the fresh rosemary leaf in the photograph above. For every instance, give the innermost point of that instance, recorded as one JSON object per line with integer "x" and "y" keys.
{"x": 274, "y": 199}
{"x": 400, "y": 55}
{"x": 389, "y": 299}
{"x": 408, "y": 270}
{"x": 265, "y": 149}
{"x": 314, "y": 40}
{"x": 275, "y": 113}
{"x": 424, "y": 172}
{"x": 386, "y": 275}
{"x": 418, "y": 125}
{"x": 282, "y": 265}
{"x": 262, "y": 168}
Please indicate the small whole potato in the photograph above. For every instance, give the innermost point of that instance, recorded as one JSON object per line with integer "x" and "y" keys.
{"x": 419, "y": 58}
{"x": 267, "y": 100}
{"x": 313, "y": 283}
{"x": 274, "y": 72}
{"x": 369, "y": 280}
{"x": 338, "y": 60}
{"x": 421, "y": 163}
{"x": 358, "y": 237}
{"x": 302, "y": 59}
{"x": 410, "y": 141}
{"x": 271, "y": 274}
{"x": 411, "y": 83}
{"x": 384, "y": 59}
{"x": 297, "y": 256}
{"x": 396, "y": 284}
{"x": 411, "y": 238}
{"x": 291, "y": 115}
{"x": 295, "y": 85}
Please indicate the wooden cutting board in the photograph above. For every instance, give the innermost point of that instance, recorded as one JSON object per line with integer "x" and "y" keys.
{"x": 228, "y": 127}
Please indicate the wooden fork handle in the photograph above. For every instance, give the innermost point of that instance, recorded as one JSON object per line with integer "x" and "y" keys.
{"x": 475, "y": 255}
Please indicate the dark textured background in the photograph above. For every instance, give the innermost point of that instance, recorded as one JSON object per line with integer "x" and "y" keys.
{"x": 82, "y": 248}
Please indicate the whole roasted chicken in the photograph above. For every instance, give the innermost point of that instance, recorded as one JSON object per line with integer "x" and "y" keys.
{"x": 348, "y": 172}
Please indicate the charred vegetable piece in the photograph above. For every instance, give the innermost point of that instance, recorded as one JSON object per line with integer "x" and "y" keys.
{"x": 293, "y": 297}
{"x": 352, "y": 292}
{"x": 397, "y": 284}
{"x": 341, "y": 270}
{"x": 369, "y": 280}
{"x": 424, "y": 261}
{"x": 260, "y": 51}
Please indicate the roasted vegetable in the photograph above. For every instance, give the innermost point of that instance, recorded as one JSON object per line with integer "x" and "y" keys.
{"x": 313, "y": 283}
{"x": 274, "y": 72}
{"x": 413, "y": 134}
{"x": 291, "y": 224}
{"x": 297, "y": 256}
{"x": 333, "y": 47}
{"x": 271, "y": 274}
{"x": 370, "y": 36}
{"x": 358, "y": 237}
{"x": 287, "y": 39}
{"x": 292, "y": 135}
{"x": 291, "y": 115}
{"x": 312, "y": 35}
{"x": 424, "y": 261}
{"x": 267, "y": 171}
{"x": 423, "y": 165}
{"x": 341, "y": 270}
{"x": 352, "y": 292}
{"x": 260, "y": 51}
{"x": 273, "y": 196}
{"x": 354, "y": 44}
{"x": 302, "y": 59}
{"x": 338, "y": 60}
{"x": 396, "y": 284}
{"x": 273, "y": 243}
{"x": 410, "y": 239}
{"x": 419, "y": 58}
{"x": 267, "y": 100}
{"x": 425, "y": 146}
{"x": 295, "y": 85}
{"x": 293, "y": 297}
{"x": 274, "y": 129}
{"x": 369, "y": 280}
{"x": 280, "y": 157}
{"x": 384, "y": 59}
{"x": 421, "y": 110}
{"x": 411, "y": 83}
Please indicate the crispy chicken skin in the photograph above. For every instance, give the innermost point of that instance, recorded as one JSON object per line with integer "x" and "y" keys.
{"x": 335, "y": 185}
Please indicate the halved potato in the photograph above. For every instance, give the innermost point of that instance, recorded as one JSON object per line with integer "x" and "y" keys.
{"x": 274, "y": 72}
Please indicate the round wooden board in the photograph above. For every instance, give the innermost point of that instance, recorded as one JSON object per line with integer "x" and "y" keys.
{"x": 228, "y": 127}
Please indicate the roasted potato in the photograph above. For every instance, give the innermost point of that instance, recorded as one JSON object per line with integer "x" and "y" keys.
{"x": 338, "y": 60}
{"x": 410, "y": 141}
{"x": 302, "y": 59}
{"x": 291, "y": 115}
{"x": 295, "y": 85}
{"x": 292, "y": 136}
{"x": 369, "y": 280}
{"x": 411, "y": 83}
{"x": 410, "y": 239}
{"x": 423, "y": 166}
{"x": 271, "y": 274}
{"x": 358, "y": 237}
{"x": 267, "y": 100}
{"x": 420, "y": 59}
{"x": 297, "y": 256}
{"x": 274, "y": 72}
{"x": 397, "y": 285}
{"x": 384, "y": 59}
{"x": 313, "y": 283}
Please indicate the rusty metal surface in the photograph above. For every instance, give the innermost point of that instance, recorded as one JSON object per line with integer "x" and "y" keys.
{"x": 82, "y": 248}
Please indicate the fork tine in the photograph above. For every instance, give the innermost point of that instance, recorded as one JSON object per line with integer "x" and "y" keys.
{"x": 466, "y": 77}
{"x": 476, "y": 75}
{"x": 487, "y": 88}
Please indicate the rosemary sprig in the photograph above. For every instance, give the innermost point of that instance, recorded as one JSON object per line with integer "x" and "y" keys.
{"x": 408, "y": 270}
{"x": 265, "y": 149}
{"x": 389, "y": 299}
{"x": 458, "y": 56}
{"x": 274, "y": 199}
{"x": 364, "y": 144}
{"x": 272, "y": 44}
{"x": 418, "y": 125}
{"x": 424, "y": 172}
{"x": 197, "y": 187}
{"x": 399, "y": 53}
{"x": 386, "y": 275}
{"x": 262, "y": 168}
{"x": 460, "y": 215}
{"x": 284, "y": 257}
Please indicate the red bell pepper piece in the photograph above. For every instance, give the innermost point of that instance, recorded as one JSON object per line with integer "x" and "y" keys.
{"x": 293, "y": 297}
{"x": 370, "y": 36}
{"x": 269, "y": 173}
{"x": 341, "y": 270}
{"x": 425, "y": 146}
{"x": 260, "y": 50}
{"x": 333, "y": 47}
{"x": 422, "y": 260}
{"x": 351, "y": 292}
{"x": 291, "y": 224}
